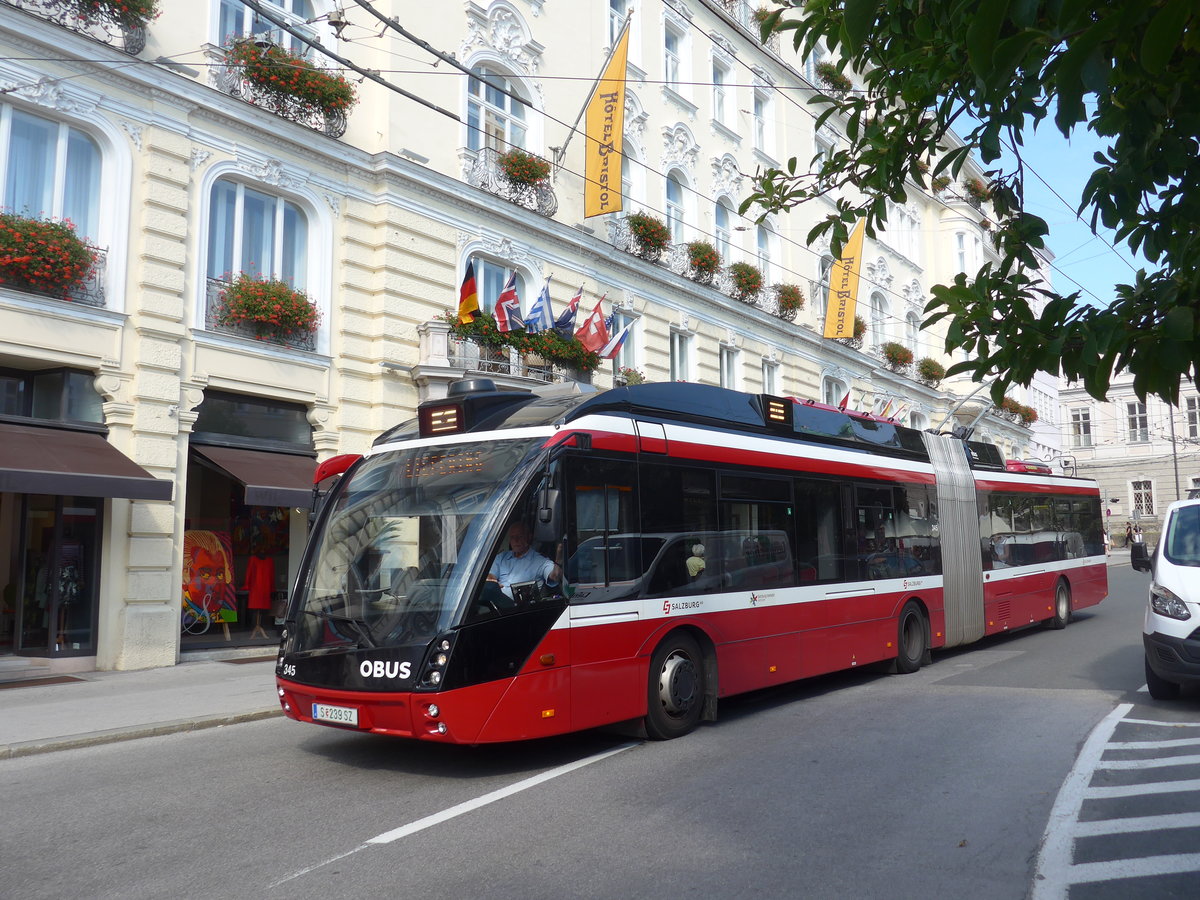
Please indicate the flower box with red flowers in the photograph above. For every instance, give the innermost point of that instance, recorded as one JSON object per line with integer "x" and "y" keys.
{"x": 284, "y": 74}
{"x": 272, "y": 308}
{"x": 523, "y": 168}
{"x": 129, "y": 14}
{"x": 43, "y": 257}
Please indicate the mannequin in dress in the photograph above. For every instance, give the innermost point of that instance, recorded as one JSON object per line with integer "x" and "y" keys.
{"x": 260, "y": 581}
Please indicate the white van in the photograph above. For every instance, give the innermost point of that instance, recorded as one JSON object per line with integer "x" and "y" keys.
{"x": 1171, "y": 634}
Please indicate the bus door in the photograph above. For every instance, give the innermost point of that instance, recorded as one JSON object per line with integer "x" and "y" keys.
{"x": 606, "y": 558}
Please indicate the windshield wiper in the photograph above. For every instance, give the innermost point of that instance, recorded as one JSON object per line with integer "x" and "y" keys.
{"x": 361, "y": 628}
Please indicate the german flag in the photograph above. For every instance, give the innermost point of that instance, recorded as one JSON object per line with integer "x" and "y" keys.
{"x": 468, "y": 296}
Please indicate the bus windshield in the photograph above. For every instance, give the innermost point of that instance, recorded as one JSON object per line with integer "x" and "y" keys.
{"x": 394, "y": 555}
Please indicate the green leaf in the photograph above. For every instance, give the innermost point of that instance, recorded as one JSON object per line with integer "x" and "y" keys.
{"x": 983, "y": 34}
{"x": 860, "y": 16}
{"x": 1180, "y": 323}
{"x": 1163, "y": 34}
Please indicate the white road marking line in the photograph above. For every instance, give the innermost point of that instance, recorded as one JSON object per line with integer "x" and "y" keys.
{"x": 1158, "y": 763}
{"x": 1154, "y": 745}
{"x": 1110, "y": 792}
{"x": 1162, "y": 724}
{"x": 468, "y": 806}
{"x": 1135, "y": 868}
{"x": 1052, "y": 876}
{"x": 1139, "y": 823}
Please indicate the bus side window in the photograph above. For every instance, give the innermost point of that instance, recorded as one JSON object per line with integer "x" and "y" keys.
{"x": 603, "y": 541}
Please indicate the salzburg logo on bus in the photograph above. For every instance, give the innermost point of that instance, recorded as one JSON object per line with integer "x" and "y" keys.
{"x": 378, "y": 668}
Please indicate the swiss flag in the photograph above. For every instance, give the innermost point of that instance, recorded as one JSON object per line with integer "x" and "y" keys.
{"x": 592, "y": 333}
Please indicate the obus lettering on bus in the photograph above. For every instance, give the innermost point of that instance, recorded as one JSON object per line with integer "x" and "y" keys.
{"x": 377, "y": 668}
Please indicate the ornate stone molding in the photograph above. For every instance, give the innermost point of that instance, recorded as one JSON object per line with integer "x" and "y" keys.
{"x": 58, "y": 97}
{"x": 727, "y": 178}
{"x": 273, "y": 172}
{"x": 198, "y": 158}
{"x": 879, "y": 274}
{"x": 635, "y": 120}
{"x": 680, "y": 149}
{"x": 501, "y": 30}
{"x": 135, "y": 133}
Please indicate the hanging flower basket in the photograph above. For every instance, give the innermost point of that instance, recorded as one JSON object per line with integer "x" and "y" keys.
{"x": 860, "y": 330}
{"x": 930, "y": 371}
{"x": 747, "y": 282}
{"x": 704, "y": 260}
{"x": 977, "y": 192}
{"x": 896, "y": 356}
{"x": 272, "y": 308}
{"x": 129, "y": 14}
{"x": 940, "y": 183}
{"x": 43, "y": 257}
{"x": 523, "y": 168}
{"x": 650, "y": 235}
{"x": 288, "y": 76}
{"x": 789, "y": 299}
{"x": 832, "y": 77}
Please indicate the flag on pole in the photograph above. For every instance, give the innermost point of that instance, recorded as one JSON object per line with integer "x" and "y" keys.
{"x": 898, "y": 417}
{"x": 886, "y": 410}
{"x": 843, "y": 286}
{"x": 508, "y": 307}
{"x": 592, "y": 333}
{"x": 565, "y": 324}
{"x": 541, "y": 317}
{"x": 468, "y": 296}
{"x": 845, "y": 401}
{"x": 613, "y": 347}
{"x": 604, "y": 130}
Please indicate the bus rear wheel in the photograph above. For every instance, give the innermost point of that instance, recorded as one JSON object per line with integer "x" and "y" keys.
{"x": 676, "y": 688}
{"x": 1062, "y": 606}
{"x": 912, "y": 639}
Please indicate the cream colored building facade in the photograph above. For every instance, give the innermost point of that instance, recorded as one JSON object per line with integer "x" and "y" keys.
{"x": 182, "y": 178}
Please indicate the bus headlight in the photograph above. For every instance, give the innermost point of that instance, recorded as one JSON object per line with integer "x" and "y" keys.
{"x": 435, "y": 677}
{"x": 1167, "y": 603}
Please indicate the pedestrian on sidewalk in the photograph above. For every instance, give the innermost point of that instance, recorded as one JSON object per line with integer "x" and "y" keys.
{"x": 1107, "y": 552}
{"x": 1128, "y": 533}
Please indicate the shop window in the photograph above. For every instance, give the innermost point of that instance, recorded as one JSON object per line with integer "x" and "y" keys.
{"x": 55, "y": 395}
{"x": 239, "y": 419}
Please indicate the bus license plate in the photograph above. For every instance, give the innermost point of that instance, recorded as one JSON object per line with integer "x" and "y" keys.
{"x": 338, "y": 715}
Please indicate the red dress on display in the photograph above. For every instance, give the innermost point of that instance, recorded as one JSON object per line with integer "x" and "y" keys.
{"x": 260, "y": 581}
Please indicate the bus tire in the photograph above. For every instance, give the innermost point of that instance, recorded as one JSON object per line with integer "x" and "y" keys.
{"x": 912, "y": 639}
{"x": 1159, "y": 687}
{"x": 676, "y": 687}
{"x": 1062, "y": 606}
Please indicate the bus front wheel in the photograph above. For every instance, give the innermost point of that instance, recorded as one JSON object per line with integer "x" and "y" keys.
{"x": 1062, "y": 606}
{"x": 676, "y": 688}
{"x": 912, "y": 639}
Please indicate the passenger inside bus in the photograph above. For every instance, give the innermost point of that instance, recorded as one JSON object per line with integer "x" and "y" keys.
{"x": 519, "y": 565}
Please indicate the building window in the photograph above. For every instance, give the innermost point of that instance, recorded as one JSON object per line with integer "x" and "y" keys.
{"x": 762, "y": 122}
{"x": 675, "y": 207}
{"x": 880, "y": 312}
{"x": 1193, "y": 417}
{"x": 627, "y": 356}
{"x": 617, "y": 11}
{"x": 912, "y": 327}
{"x": 681, "y": 353}
{"x": 1081, "y": 428}
{"x": 721, "y": 101}
{"x": 823, "y": 269}
{"x": 824, "y": 152}
{"x": 1143, "y": 497}
{"x": 729, "y": 368}
{"x": 723, "y": 232}
{"x": 834, "y": 390}
{"x": 494, "y": 119}
{"x": 52, "y": 395}
{"x": 672, "y": 58}
{"x": 490, "y": 279}
{"x": 1138, "y": 422}
{"x": 770, "y": 376}
{"x": 765, "y": 238}
{"x": 238, "y": 20}
{"x": 257, "y": 233}
{"x": 51, "y": 171}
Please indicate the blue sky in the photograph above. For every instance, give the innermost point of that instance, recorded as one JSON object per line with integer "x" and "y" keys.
{"x": 1082, "y": 260}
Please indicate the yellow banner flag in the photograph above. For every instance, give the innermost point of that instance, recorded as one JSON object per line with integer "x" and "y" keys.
{"x": 843, "y": 286}
{"x": 605, "y": 131}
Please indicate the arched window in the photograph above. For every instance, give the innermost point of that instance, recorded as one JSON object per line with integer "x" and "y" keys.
{"x": 765, "y": 240}
{"x": 722, "y": 230}
{"x": 51, "y": 171}
{"x": 833, "y": 390}
{"x": 912, "y": 327}
{"x": 880, "y": 311}
{"x": 237, "y": 20}
{"x": 490, "y": 278}
{"x": 258, "y": 233}
{"x": 494, "y": 119}
{"x": 675, "y": 207}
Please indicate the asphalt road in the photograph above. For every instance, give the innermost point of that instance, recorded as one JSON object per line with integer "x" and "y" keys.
{"x": 938, "y": 784}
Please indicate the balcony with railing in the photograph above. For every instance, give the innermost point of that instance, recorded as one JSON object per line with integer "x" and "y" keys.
{"x": 485, "y": 171}
{"x": 241, "y": 70}
{"x": 121, "y": 25}
{"x": 216, "y": 321}
{"x": 748, "y": 15}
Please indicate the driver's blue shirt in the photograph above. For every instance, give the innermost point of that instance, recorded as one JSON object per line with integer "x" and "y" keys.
{"x": 510, "y": 569}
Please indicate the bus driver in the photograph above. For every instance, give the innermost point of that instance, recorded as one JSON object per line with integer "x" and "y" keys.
{"x": 521, "y": 563}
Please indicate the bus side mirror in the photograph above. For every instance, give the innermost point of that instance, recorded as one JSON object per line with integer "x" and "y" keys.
{"x": 1139, "y": 557}
{"x": 549, "y": 515}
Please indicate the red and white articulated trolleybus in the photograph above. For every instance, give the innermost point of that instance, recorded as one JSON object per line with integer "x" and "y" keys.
{"x": 698, "y": 543}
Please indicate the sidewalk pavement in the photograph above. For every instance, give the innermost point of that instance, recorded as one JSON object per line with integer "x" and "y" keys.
{"x": 90, "y": 708}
